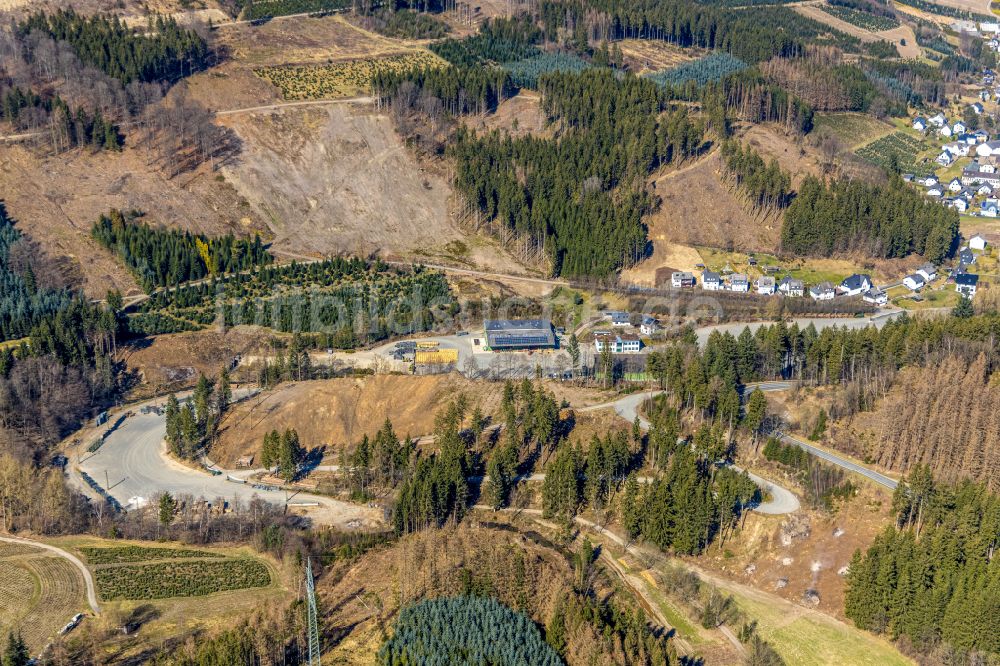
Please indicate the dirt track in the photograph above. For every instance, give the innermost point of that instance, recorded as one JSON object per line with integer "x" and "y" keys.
{"x": 909, "y": 50}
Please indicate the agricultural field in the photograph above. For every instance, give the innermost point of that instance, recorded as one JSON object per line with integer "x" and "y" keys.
{"x": 48, "y": 591}
{"x": 854, "y": 129}
{"x": 345, "y": 79}
{"x": 183, "y": 578}
{"x": 643, "y": 56}
{"x": 123, "y": 554}
{"x": 863, "y": 20}
{"x": 897, "y": 148}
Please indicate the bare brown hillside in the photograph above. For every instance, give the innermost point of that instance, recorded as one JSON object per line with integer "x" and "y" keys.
{"x": 339, "y": 412}
{"x": 946, "y": 416}
{"x": 57, "y": 199}
{"x": 698, "y": 209}
{"x": 339, "y": 179}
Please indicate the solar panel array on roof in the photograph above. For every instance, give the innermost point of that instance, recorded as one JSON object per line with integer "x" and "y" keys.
{"x": 519, "y": 333}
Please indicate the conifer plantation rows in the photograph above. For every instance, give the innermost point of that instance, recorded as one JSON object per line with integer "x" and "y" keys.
{"x": 169, "y": 257}
{"x": 465, "y": 630}
{"x": 162, "y": 52}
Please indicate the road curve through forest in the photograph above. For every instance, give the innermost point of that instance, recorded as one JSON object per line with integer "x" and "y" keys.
{"x": 781, "y": 499}
{"x": 74, "y": 560}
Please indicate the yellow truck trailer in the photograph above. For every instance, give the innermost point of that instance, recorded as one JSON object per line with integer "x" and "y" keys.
{"x": 438, "y": 356}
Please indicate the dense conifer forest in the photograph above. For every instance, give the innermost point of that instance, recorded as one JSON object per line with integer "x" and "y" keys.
{"x": 878, "y": 220}
{"x": 163, "y": 51}
{"x": 465, "y": 630}
{"x": 933, "y": 580}
{"x": 582, "y": 196}
{"x": 23, "y": 302}
{"x": 168, "y": 257}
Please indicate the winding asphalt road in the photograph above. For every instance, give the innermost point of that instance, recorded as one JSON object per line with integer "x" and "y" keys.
{"x": 840, "y": 461}
{"x": 74, "y": 560}
{"x": 782, "y": 500}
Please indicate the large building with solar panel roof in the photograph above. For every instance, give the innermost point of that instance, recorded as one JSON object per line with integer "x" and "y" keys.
{"x": 514, "y": 334}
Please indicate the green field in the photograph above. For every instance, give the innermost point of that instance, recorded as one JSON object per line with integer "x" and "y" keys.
{"x": 809, "y": 270}
{"x": 807, "y": 638}
{"x": 187, "y": 578}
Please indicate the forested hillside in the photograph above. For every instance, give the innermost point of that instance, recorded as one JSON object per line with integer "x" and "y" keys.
{"x": 583, "y": 201}
{"x": 933, "y": 581}
{"x": 878, "y": 220}
{"x": 164, "y": 52}
{"x": 168, "y": 257}
{"x": 23, "y": 302}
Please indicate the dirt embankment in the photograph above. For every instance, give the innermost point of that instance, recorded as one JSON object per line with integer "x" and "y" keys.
{"x": 339, "y": 412}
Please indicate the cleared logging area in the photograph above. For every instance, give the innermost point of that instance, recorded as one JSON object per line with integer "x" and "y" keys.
{"x": 40, "y": 595}
{"x": 187, "y": 578}
{"x": 345, "y": 79}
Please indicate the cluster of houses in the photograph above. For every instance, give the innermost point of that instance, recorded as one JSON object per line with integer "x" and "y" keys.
{"x": 979, "y": 180}
{"x": 984, "y": 28}
{"x": 962, "y": 141}
{"x": 620, "y": 341}
{"x": 855, "y": 285}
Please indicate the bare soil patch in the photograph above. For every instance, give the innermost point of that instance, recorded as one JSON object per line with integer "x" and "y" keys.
{"x": 698, "y": 209}
{"x": 642, "y": 56}
{"x": 775, "y": 142}
{"x": 304, "y": 40}
{"x": 57, "y": 199}
{"x": 520, "y": 115}
{"x": 173, "y": 362}
{"x": 339, "y": 179}
{"x": 339, "y": 412}
{"x": 790, "y": 555}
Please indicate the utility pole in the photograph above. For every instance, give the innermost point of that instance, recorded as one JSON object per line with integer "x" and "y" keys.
{"x": 311, "y": 614}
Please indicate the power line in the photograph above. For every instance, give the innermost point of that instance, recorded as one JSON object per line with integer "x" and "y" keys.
{"x": 311, "y": 613}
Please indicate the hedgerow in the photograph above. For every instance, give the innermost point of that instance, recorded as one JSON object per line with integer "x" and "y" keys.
{"x": 122, "y": 554}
